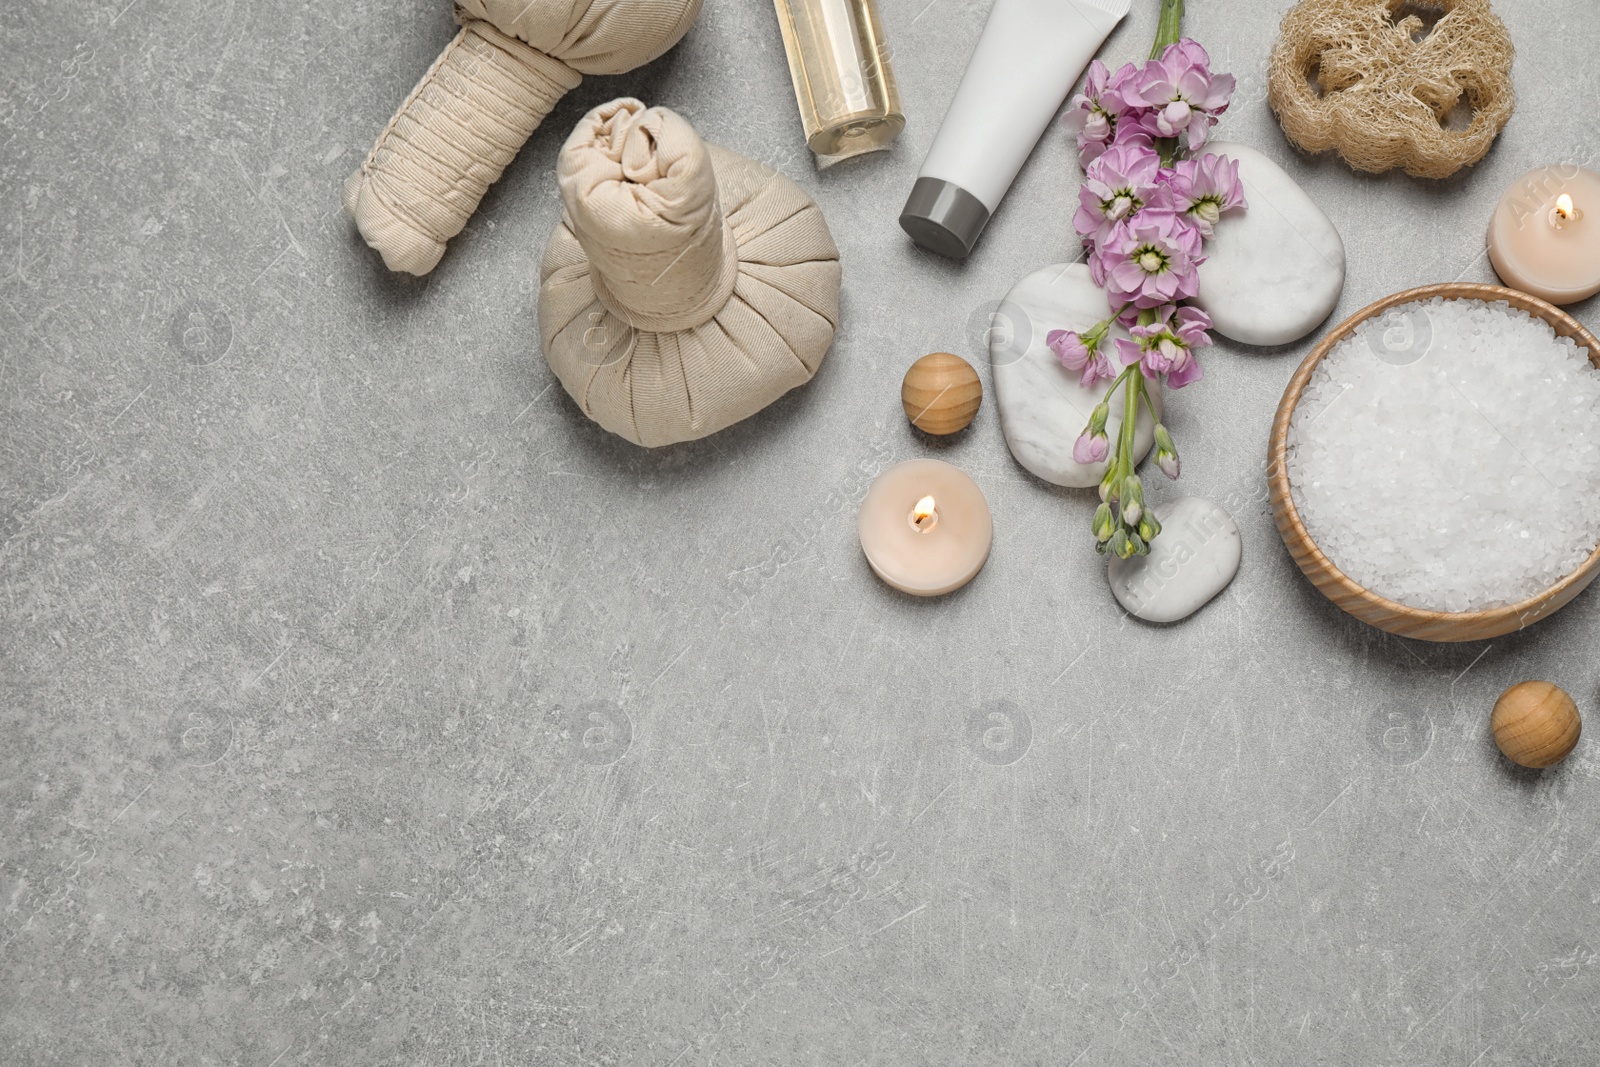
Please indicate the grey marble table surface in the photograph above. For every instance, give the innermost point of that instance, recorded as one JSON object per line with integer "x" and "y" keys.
{"x": 365, "y": 704}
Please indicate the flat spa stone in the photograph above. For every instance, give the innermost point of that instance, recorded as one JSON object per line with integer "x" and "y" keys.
{"x": 1042, "y": 406}
{"x": 1277, "y": 268}
{"x": 1192, "y": 560}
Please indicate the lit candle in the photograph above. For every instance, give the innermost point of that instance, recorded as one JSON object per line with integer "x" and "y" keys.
{"x": 1545, "y": 235}
{"x": 925, "y": 527}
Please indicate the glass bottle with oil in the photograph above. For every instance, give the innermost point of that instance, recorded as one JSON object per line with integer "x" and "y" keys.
{"x": 848, "y": 99}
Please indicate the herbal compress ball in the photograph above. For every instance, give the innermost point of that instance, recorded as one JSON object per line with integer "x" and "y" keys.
{"x": 686, "y": 287}
{"x": 475, "y": 107}
{"x": 1373, "y": 79}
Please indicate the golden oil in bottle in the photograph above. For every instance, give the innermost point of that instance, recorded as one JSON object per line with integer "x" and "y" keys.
{"x": 842, "y": 79}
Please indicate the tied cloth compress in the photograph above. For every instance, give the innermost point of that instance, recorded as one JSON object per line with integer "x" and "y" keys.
{"x": 686, "y": 287}
{"x": 480, "y": 101}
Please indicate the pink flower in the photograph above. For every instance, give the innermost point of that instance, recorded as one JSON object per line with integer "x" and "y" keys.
{"x": 1099, "y": 369}
{"x": 1082, "y": 356}
{"x": 1191, "y": 326}
{"x": 1151, "y": 260}
{"x": 1091, "y": 448}
{"x": 1190, "y": 51}
{"x": 1097, "y": 264}
{"x": 1131, "y": 133}
{"x": 1095, "y": 111}
{"x": 1167, "y": 338}
{"x": 1121, "y": 183}
{"x": 1181, "y": 92}
{"x": 1129, "y": 352}
{"x": 1205, "y": 188}
{"x": 1069, "y": 348}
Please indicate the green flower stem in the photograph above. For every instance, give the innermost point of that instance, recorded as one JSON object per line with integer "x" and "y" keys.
{"x": 1118, "y": 463}
{"x": 1103, "y": 327}
{"x": 1134, "y": 384}
{"x": 1170, "y": 29}
{"x": 1151, "y": 404}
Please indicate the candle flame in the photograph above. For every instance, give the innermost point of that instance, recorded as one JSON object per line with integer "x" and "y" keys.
{"x": 925, "y": 514}
{"x": 1565, "y": 207}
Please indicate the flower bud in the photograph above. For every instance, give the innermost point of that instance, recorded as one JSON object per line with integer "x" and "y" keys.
{"x": 1097, "y": 418}
{"x": 1104, "y": 523}
{"x": 1069, "y": 348}
{"x": 1120, "y": 545}
{"x": 1166, "y": 453}
{"x": 1108, "y": 483}
{"x": 1132, "y": 498}
{"x": 1136, "y": 546}
{"x": 1149, "y": 527}
{"x": 1090, "y": 448}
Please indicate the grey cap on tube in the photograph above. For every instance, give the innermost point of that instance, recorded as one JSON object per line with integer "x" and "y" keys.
{"x": 943, "y": 217}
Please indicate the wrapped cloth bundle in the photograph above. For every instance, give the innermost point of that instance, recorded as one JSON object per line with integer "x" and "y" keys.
{"x": 480, "y": 101}
{"x": 686, "y": 287}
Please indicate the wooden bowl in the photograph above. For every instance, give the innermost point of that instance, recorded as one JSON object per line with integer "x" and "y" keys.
{"x": 1334, "y": 583}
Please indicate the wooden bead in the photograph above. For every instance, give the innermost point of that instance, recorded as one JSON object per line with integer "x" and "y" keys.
{"x": 941, "y": 393}
{"x": 1535, "y": 724}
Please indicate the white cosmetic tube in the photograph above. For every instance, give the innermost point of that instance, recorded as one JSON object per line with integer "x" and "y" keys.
{"x": 1031, "y": 54}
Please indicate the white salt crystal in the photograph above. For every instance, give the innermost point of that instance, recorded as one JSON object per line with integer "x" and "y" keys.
{"x": 1444, "y": 455}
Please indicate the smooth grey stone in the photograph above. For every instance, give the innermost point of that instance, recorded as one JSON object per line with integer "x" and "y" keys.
{"x": 1043, "y": 407}
{"x": 1275, "y": 270}
{"x": 1193, "y": 559}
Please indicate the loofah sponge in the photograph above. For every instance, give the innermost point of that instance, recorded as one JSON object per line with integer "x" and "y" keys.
{"x": 686, "y": 287}
{"x": 1374, "y": 80}
{"x": 480, "y": 101}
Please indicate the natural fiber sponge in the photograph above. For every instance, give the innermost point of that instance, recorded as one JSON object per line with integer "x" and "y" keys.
{"x": 480, "y": 101}
{"x": 686, "y": 287}
{"x": 1379, "y": 79}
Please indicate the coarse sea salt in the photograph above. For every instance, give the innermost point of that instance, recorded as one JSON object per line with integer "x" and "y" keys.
{"x": 1447, "y": 455}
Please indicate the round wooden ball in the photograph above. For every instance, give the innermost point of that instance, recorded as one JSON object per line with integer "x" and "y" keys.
{"x": 1536, "y": 724}
{"x": 941, "y": 393}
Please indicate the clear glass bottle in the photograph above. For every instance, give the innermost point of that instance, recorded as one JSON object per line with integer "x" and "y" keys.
{"x": 842, "y": 79}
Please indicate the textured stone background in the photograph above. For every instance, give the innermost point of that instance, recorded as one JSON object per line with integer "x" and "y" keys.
{"x": 366, "y": 705}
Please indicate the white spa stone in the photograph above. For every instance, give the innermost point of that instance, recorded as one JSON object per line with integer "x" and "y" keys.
{"x": 1042, "y": 406}
{"x": 1193, "y": 559}
{"x": 1276, "y": 269}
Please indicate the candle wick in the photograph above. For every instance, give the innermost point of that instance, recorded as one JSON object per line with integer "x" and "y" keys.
{"x": 1564, "y": 212}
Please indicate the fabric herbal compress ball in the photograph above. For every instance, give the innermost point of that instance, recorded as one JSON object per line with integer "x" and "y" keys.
{"x": 686, "y": 287}
{"x": 475, "y": 107}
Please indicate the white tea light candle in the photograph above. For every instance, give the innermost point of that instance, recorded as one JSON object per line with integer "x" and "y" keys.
{"x": 1545, "y": 235}
{"x": 925, "y": 527}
